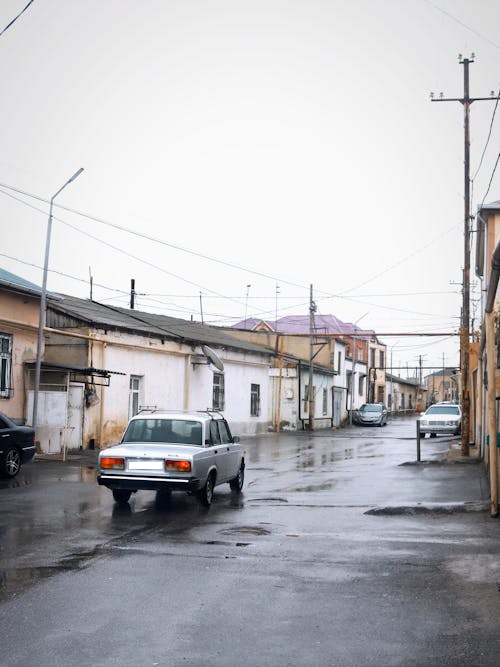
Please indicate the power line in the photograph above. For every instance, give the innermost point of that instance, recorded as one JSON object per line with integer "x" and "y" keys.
{"x": 154, "y": 239}
{"x": 488, "y": 137}
{"x": 460, "y": 22}
{"x": 15, "y": 18}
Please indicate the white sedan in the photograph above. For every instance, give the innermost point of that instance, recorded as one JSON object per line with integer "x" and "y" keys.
{"x": 441, "y": 418}
{"x": 166, "y": 451}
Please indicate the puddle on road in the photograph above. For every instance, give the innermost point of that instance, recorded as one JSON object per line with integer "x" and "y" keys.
{"x": 245, "y": 530}
{"x": 309, "y": 488}
{"x": 16, "y": 483}
{"x": 88, "y": 474}
{"x": 18, "y": 579}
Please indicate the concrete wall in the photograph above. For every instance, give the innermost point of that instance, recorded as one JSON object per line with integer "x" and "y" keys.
{"x": 172, "y": 376}
{"x": 19, "y": 318}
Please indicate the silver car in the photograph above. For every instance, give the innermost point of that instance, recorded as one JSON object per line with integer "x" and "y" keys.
{"x": 167, "y": 451}
{"x": 441, "y": 418}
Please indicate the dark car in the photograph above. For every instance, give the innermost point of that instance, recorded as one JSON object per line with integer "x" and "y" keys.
{"x": 17, "y": 446}
{"x": 374, "y": 414}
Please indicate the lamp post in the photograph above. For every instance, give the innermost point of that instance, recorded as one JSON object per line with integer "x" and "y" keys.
{"x": 43, "y": 299}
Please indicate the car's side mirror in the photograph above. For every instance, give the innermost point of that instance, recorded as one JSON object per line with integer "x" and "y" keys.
{"x": 236, "y": 438}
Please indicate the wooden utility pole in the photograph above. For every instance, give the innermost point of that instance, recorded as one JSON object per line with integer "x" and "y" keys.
{"x": 466, "y": 101}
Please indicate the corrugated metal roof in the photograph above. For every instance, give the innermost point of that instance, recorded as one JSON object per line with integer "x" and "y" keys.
{"x": 92, "y": 313}
{"x": 9, "y": 279}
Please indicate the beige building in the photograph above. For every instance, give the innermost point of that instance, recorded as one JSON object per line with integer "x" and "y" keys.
{"x": 19, "y": 316}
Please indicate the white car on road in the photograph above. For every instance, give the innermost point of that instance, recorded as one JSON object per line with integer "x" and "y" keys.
{"x": 167, "y": 451}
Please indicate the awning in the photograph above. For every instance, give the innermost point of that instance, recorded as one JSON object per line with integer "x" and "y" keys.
{"x": 81, "y": 373}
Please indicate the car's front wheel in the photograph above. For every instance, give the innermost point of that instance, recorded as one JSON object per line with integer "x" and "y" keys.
{"x": 12, "y": 462}
{"x": 121, "y": 495}
{"x": 236, "y": 484}
{"x": 206, "y": 493}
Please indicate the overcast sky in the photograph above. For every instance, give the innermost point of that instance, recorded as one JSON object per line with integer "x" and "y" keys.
{"x": 283, "y": 142}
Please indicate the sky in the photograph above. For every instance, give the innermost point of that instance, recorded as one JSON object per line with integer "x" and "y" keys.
{"x": 236, "y": 153}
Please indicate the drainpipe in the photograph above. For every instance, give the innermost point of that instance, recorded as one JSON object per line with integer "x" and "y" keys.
{"x": 187, "y": 380}
{"x": 300, "y": 395}
{"x": 489, "y": 324}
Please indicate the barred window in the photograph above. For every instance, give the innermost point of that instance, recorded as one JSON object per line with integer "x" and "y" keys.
{"x": 218, "y": 392}
{"x": 255, "y": 400}
{"x": 5, "y": 365}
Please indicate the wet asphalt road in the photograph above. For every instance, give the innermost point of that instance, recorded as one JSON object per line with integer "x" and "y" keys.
{"x": 340, "y": 551}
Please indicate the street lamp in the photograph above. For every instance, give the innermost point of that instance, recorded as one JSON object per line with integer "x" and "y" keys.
{"x": 43, "y": 299}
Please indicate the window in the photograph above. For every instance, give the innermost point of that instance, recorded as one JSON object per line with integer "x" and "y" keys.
{"x": 255, "y": 400}
{"x": 325, "y": 401}
{"x": 214, "y": 432}
{"x": 381, "y": 359}
{"x": 225, "y": 434}
{"x": 5, "y": 365}
{"x": 339, "y": 362}
{"x": 361, "y": 384}
{"x": 372, "y": 357}
{"x": 218, "y": 392}
{"x": 134, "y": 395}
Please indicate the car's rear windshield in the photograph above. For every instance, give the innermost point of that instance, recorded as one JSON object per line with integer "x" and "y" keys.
{"x": 371, "y": 407}
{"x": 180, "y": 431}
{"x": 443, "y": 410}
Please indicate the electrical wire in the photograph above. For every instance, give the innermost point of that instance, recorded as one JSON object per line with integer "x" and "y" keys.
{"x": 488, "y": 137}
{"x": 491, "y": 180}
{"x": 213, "y": 259}
{"x": 464, "y": 25}
{"x": 16, "y": 17}
{"x": 61, "y": 273}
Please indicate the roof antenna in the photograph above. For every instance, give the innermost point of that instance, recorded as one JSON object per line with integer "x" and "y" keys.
{"x": 132, "y": 293}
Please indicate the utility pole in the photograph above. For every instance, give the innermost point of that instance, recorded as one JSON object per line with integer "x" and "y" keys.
{"x": 466, "y": 101}
{"x": 311, "y": 402}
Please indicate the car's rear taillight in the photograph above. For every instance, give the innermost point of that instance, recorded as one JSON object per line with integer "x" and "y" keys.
{"x": 179, "y": 465}
{"x": 112, "y": 463}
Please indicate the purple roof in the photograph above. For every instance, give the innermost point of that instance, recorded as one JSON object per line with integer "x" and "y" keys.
{"x": 299, "y": 324}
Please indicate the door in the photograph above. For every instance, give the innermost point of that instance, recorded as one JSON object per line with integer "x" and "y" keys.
{"x": 232, "y": 450}
{"x": 337, "y": 406}
{"x": 75, "y": 417}
{"x": 220, "y": 451}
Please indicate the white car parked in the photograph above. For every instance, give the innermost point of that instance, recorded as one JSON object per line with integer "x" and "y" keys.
{"x": 441, "y": 418}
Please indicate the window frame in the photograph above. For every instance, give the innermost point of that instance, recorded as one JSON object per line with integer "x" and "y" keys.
{"x": 218, "y": 391}
{"x": 6, "y": 345}
{"x": 254, "y": 400}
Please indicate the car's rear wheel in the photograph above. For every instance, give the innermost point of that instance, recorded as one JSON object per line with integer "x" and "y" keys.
{"x": 121, "y": 495}
{"x": 11, "y": 463}
{"x": 206, "y": 494}
{"x": 236, "y": 484}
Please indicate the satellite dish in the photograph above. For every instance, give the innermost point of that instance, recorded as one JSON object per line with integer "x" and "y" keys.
{"x": 212, "y": 357}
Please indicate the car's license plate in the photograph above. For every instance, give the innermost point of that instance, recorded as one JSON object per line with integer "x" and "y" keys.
{"x": 145, "y": 465}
